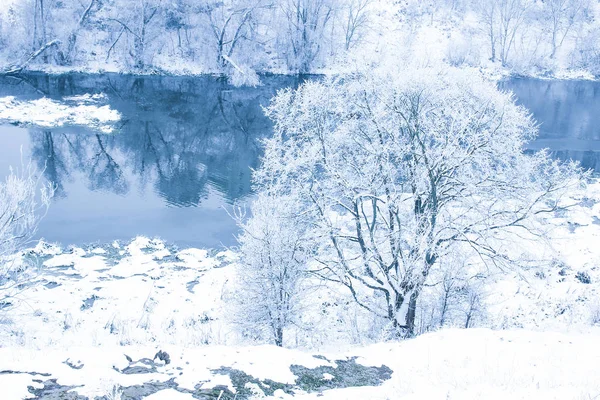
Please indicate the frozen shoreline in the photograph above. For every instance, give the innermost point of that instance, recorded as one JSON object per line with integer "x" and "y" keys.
{"x": 495, "y": 73}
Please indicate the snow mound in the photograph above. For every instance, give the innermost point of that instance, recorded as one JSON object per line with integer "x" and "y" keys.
{"x": 84, "y": 110}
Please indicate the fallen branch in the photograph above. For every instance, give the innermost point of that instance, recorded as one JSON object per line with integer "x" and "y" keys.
{"x": 36, "y": 54}
{"x": 233, "y": 64}
{"x": 114, "y": 43}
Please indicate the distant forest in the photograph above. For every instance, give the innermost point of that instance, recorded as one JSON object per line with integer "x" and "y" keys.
{"x": 296, "y": 36}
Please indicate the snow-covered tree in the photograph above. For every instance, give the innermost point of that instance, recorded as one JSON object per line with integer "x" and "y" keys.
{"x": 356, "y": 21}
{"x": 562, "y": 17}
{"x": 306, "y": 27}
{"x": 396, "y": 169}
{"x": 137, "y": 21}
{"x": 231, "y": 24}
{"x": 23, "y": 199}
{"x": 272, "y": 269}
{"x": 502, "y": 20}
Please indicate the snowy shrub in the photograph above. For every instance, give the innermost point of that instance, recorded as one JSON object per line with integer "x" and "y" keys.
{"x": 583, "y": 277}
{"x": 20, "y": 213}
{"x": 587, "y": 54}
{"x": 455, "y": 300}
{"x": 540, "y": 274}
{"x": 461, "y": 51}
{"x": 556, "y": 264}
{"x": 595, "y": 313}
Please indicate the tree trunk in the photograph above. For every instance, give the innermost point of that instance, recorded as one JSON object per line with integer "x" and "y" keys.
{"x": 405, "y": 311}
{"x": 412, "y": 312}
{"x": 493, "y": 43}
{"x": 34, "y": 42}
{"x": 468, "y": 321}
{"x": 279, "y": 336}
{"x": 37, "y": 53}
{"x": 68, "y": 58}
{"x": 553, "y": 54}
{"x": 139, "y": 52}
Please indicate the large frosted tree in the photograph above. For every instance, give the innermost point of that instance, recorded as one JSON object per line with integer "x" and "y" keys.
{"x": 394, "y": 170}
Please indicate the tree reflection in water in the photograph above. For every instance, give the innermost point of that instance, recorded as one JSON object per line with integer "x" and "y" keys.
{"x": 181, "y": 136}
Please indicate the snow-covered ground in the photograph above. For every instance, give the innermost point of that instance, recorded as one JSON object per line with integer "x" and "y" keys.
{"x": 449, "y": 364}
{"x": 91, "y": 319}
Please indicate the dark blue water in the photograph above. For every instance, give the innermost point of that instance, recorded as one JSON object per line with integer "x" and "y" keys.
{"x": 184, "y": 150}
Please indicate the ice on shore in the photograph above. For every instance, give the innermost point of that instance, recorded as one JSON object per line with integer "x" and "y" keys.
{"x": 85, "y": 110}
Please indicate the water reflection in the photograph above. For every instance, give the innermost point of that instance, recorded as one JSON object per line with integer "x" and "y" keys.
{"x": 177, "y": 134}
{"x": 563, "y": 108}
{"x": 185, "y": 139}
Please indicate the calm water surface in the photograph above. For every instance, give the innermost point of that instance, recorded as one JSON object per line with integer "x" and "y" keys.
{"x": 569, "y": 116}
{"x": 184, "y": 150}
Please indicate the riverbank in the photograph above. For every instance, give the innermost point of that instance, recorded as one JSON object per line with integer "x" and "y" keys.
{"x": 146, "y": 291}
{"x": 493, "y": 71}
{"x": 145, "y": 319}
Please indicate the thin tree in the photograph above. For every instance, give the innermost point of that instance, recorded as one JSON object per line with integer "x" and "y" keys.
{"x": 562, "y": 16}
{"x": 272, "y": 268}
{"x": 306, "y": 23}
{"x": 357, "y": 21}
{"x": 230, "y": 24}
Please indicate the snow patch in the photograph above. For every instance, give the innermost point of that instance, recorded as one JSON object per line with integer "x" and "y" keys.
{"x": 45, "y": 112}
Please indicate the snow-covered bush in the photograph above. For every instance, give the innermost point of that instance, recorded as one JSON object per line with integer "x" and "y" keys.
{"x": 462, "y": 51}
{"x": 23, "y": 199}
{"x": 587, "y": 54}
{"x": 243, "y": 76}
{"x": 595, "y": 312}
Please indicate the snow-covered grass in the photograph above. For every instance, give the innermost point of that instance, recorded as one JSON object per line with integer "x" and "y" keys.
{"x": 85, "y": 110}
{"x": 565, "y": 292}
{"x": 120, "y": 295}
